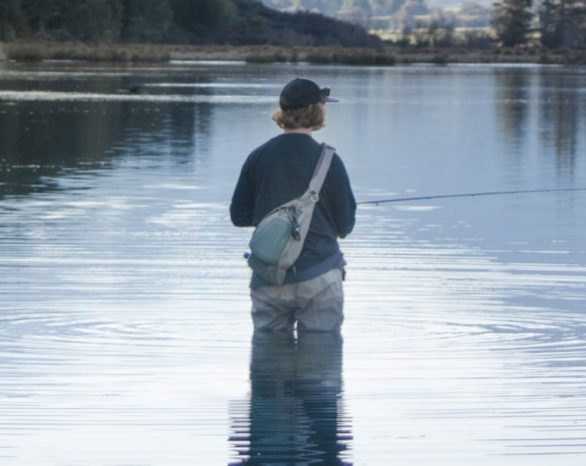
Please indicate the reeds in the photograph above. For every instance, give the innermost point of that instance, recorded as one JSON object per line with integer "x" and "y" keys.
{"x": 269, "y": 54}
{"x": 352, "y": 56}
{"x": 540, "y": 55}
{"x": 101, "y": 53}
{"x": 322, "y": 55}
{"x": 382, "y": 56}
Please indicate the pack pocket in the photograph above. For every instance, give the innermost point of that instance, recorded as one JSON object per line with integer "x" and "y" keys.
{"x": 269, "y": 239}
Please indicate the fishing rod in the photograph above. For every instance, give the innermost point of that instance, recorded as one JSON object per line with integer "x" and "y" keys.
{"x": 487, "y": 193}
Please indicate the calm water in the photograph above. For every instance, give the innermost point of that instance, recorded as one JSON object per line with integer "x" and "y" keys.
{"x": 125, "y": 337}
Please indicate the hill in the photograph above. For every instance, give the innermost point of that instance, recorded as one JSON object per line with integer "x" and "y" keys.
{"x": 235, "y": 22}
{"x": 382, "y": 14}
{"x": 366, "y": 7}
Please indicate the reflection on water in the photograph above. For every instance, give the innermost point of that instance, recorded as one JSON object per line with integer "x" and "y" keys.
{"x": 41, "y": 143}
{"x": 562, "y": 111}
{"x": 56, "y": 120}
{"x": 124, "y": 308}
{"x": 549, "y": 105}
{"x": 296, "y": 412}
{"x": 513, "y": 102}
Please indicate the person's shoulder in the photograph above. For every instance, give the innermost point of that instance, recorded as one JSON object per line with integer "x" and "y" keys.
{"x": 267, "y": 146}
{"x": 260, "y": 150}
{"x": 338, "y": 168}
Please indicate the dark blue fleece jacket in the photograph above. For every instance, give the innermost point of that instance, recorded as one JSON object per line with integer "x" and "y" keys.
{"x": 279, "y": 171}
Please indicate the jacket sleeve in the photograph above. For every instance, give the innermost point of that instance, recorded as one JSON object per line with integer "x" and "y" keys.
{"x": 341, "y": 198}
{"x": 242, "y": 205}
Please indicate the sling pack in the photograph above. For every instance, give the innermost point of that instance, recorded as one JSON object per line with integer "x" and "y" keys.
{"x": 278, "y": 239}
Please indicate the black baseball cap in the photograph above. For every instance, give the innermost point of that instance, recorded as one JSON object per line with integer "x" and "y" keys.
{"x": 301, "y": 93}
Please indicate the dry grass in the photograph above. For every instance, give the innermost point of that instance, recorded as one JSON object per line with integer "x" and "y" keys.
{"x": 521, "y": 55}
{"x": 22, "y": 51}
{"x": 384, "y": 56}
{"x": 351, "y": 56}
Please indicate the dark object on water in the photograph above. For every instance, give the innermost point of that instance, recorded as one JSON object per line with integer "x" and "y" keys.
{"x": 135, "y": 89}
{"x": 489, "y": 193}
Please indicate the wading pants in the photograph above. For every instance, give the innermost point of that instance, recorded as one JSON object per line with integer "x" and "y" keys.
{"x": 316, "y": 304}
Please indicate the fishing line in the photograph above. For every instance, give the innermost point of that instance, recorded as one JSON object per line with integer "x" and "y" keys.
{"x": 488, "y": 193}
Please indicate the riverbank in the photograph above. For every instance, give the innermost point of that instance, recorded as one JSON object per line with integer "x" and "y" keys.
{"x": 386, "y": 55}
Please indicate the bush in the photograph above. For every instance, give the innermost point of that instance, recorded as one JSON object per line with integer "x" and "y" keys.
{"x": 352, "y": 56}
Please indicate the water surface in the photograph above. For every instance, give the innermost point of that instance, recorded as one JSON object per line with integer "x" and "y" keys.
{"x": 124, "y": 329}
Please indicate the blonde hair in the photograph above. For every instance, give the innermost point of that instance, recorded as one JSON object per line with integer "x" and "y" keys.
{"x": 311, "y": 117}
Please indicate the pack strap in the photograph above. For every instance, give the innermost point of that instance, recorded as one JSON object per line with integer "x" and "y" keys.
{"x": 321, "y": 168}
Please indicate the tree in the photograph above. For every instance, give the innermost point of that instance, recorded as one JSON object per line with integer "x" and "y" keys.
{"x": 196, "y": 16}
{"x": 40, "y": 14}
{"x": 548, "y": 24}
{"x": 191, "y": 21}
{"x": 146, "y": 20}
{"x": 12, "y": 20}
{"x": 84, "y": 20}
{"x": 563, "y": 23}
{"x": 441, "y": 28}
{"x": 93, "y": 20}
{"x": 512, "y": 19}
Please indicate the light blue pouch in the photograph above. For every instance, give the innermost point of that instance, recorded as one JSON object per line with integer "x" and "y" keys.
{"x": 271, "y": 237}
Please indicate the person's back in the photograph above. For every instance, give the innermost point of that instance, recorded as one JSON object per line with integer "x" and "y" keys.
{"x": 276, "y": 172}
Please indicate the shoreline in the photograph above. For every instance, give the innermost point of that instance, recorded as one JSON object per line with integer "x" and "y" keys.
{"x": 382, "y": 56}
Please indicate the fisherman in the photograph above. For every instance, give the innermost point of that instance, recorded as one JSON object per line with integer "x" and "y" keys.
{"x": 276, "y": 172}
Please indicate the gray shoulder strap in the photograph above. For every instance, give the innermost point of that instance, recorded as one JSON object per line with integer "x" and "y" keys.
{"x": 321, "y": 168}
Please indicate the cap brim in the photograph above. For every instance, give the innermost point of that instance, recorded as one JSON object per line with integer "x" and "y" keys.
{"x": 329, "y": 99}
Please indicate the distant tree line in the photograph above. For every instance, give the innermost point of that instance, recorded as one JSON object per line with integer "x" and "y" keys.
{"x": 370, "y": 13}
{"x": 337, "y": 7}
{"x": 172, "y": 21}
{"x": 551, "y": 23}
{"x": 555, "y": 23}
